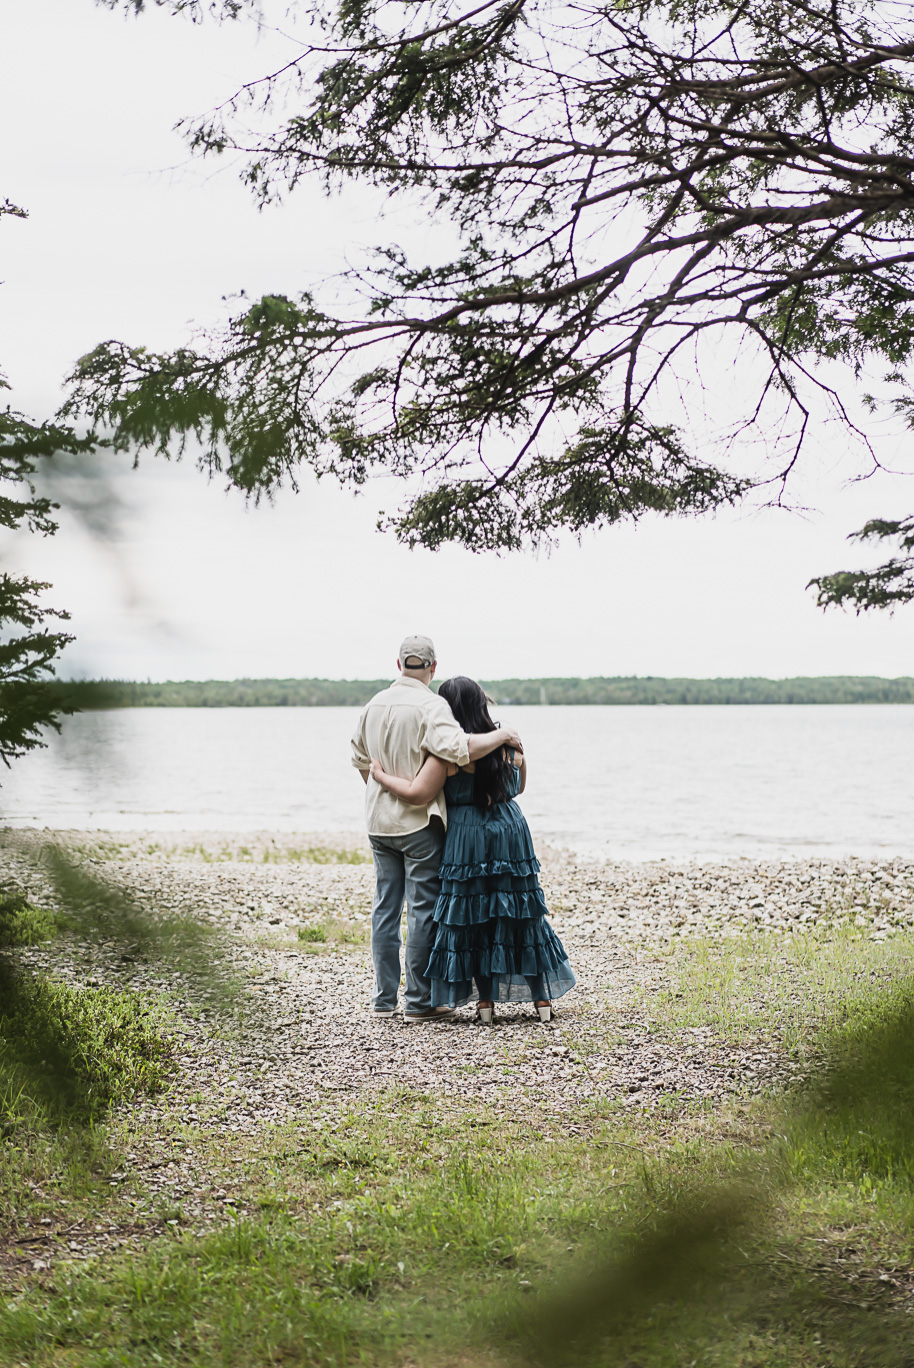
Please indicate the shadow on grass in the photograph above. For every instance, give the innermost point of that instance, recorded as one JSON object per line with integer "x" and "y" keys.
{"x": 69, "y": 1051}
{"x": 68, "y": 1054}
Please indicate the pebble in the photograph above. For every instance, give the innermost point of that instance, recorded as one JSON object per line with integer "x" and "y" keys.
{"x": 309, "y": 1043}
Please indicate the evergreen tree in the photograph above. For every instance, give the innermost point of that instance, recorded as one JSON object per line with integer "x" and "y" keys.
{"x": 638, "y": 186}
{"x": 29, "y": 640}
{"x": 887, "y": 585}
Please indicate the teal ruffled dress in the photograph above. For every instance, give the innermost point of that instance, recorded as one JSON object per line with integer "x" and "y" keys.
{"x": 491, "y": 914}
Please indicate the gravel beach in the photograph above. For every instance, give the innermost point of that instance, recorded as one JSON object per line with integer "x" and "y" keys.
{"x": 269, "y": 893}
{"x": 297, "y": 914}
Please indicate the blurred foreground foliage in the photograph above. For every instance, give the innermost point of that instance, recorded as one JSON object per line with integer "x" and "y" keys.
{"x": 30, "y": 641}
{"x": 67, "y": 1052}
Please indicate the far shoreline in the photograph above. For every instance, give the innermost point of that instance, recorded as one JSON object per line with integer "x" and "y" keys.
{"x": 101, "y": 695}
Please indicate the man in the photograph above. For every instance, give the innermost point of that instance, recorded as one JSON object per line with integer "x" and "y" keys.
{"x": 400, "y": 727}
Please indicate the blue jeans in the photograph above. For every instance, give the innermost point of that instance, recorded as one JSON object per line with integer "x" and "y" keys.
{"x": 405, "y": 867}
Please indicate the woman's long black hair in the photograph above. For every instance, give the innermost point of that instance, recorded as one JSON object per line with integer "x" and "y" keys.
{"x": 492, "y": 776}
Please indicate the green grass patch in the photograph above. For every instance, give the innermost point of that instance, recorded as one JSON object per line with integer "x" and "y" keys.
{"x": 355, "y": 1243}
{"x": 22, "y": 924}
{"x": 68, "y": 1054}
{"x": 333, "y": 932}
{"x": 420, "y": 1231}
{"x": 786, "y": 988}
{"x": 312, "y": 934}
{"x": 274, "y": 853}
{"x": 318, "y": 855}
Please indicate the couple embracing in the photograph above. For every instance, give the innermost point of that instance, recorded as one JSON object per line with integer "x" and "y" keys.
{"x": 448, "y": 838}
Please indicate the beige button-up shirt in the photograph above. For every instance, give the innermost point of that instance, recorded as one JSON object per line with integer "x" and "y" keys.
{"x": 400, "y": 726}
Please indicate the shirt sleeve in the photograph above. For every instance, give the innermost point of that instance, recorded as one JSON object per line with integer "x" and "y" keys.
{"x": 360, "y": 757}
{"x": 444, "y": 738}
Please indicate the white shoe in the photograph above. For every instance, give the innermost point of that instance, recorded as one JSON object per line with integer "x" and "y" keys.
{"x": 545, "y": 1013}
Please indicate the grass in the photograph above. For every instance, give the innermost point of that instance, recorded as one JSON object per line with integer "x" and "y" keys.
{"x": 312, "y": 934}
{"x": 270, "y": 854}
{"x": 333, "y": 931}
{"x": 320, "y": 855}
{"x": 355, "y": 1242}
{"x": 258, "y": 851}
{"x": 22, "y": 924}
{"x": 66, "y": 1053}
{"x": 752, "y": 987}
{"x": 400, "y": 1229}
{"x": 412, "y": 1230}
{"x": 71, "y": 1053}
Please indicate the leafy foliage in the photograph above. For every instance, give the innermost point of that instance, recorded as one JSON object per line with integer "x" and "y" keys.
{"x": 633, "y": 186}
{"x": 24, "y": 660}
{"x": 28, "y": 657}
{"x": 884, "y": 587}
{"x": 196, "y": 10}
{"x": 29, "y": 640}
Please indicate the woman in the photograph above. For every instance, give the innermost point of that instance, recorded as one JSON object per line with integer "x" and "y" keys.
{"x": 493, "y": 941}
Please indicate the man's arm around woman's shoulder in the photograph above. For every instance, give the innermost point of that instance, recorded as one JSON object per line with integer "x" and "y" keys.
{"x": 483, "y": 743}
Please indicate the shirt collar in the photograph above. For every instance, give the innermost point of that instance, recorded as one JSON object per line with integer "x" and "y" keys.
{"x": 410, "y": 684}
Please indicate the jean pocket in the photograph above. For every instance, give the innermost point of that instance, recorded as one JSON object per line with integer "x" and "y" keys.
{"x": 431, "y": 848}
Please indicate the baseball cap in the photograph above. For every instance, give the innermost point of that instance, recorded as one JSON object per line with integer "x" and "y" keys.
{"x": 417, "y": 647}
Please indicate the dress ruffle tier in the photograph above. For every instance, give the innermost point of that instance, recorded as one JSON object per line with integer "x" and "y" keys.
{"x": 491, "y": 913}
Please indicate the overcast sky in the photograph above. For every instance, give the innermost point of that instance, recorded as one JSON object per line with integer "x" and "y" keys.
{"x": 129, "y": 238}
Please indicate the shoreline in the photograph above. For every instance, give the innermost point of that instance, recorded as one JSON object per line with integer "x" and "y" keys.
{"x": 300, "y": 877}
{"x": 265, "y": 837}
{"x": 553, "y": 691}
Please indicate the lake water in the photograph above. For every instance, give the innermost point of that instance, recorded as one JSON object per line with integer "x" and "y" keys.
{"x": 619, "y": 782}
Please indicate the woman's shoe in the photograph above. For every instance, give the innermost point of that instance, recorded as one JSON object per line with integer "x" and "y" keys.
{"x": 545, "y": 1011}
{"x": 485, "y": 1015}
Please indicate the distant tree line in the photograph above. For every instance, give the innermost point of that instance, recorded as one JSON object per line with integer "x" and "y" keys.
{"x": 320, "y": 693}
{"x": 650, "y": 690}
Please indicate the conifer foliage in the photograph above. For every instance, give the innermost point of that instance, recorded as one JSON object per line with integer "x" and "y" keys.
{"x": 886, "y": 586}
{"x": 631, "y": 188}
{"x": 29, "y": 640}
